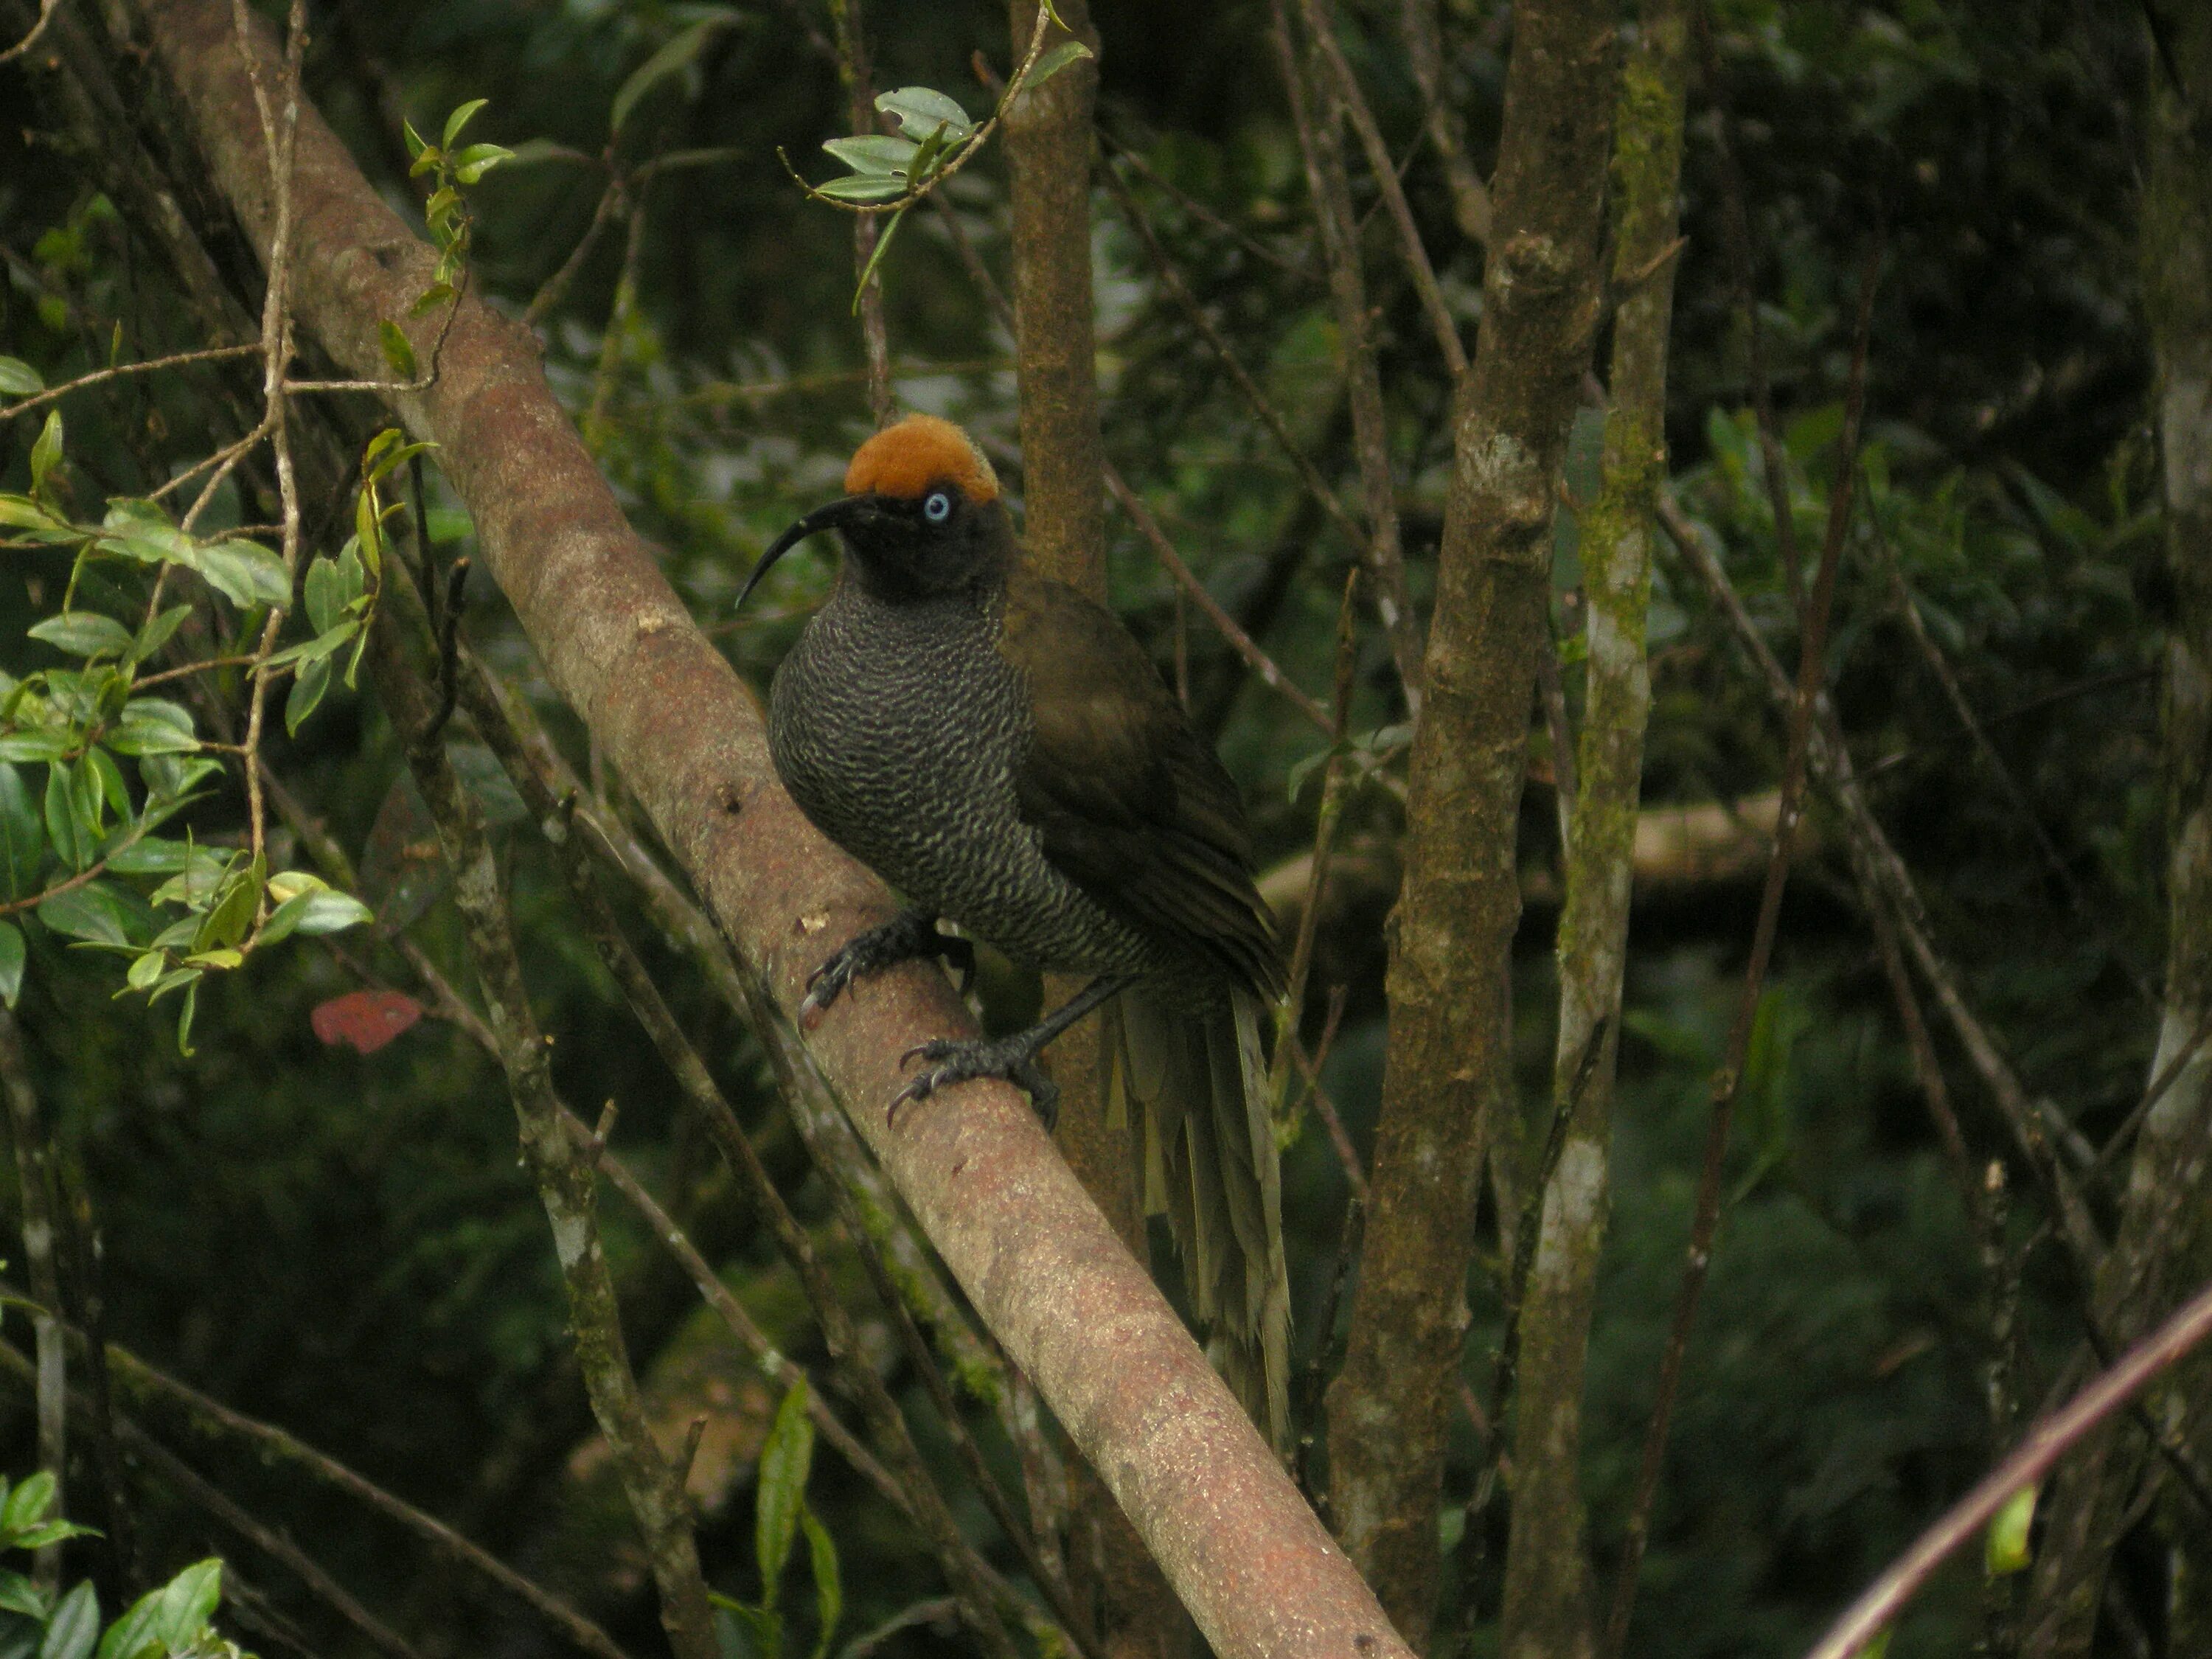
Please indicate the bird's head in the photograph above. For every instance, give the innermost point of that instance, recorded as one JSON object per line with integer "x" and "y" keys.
{"x": 920, "y": 516}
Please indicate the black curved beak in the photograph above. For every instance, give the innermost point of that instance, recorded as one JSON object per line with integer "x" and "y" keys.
{"x": 837, "y": 514}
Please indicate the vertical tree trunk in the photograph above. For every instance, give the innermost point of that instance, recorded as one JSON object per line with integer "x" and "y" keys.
{"x": 1450, "y": 958}
{"x": 1549, "y": 1608}
{"x": 1049, "y": 151}
{"x": 2164, "y": 1245}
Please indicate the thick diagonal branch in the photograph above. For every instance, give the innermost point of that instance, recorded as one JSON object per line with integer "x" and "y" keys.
{"x": 1248, "y": 1560}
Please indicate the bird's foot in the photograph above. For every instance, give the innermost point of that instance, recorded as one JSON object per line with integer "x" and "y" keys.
{"x": 910, "y": 936}
{"x": 1014, "y": 1059}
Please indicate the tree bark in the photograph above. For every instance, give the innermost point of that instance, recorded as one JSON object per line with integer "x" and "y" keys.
{"x": 1040, "y": 1265}
{"x": 2163, "y": 1245}
{"x": 1449, "y": 1048}
{"x": 1049, "y": 143}
{"x": 1548, "y": 1606}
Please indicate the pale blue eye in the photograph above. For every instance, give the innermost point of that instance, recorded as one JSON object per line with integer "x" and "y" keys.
{"x": 938, "y": 509}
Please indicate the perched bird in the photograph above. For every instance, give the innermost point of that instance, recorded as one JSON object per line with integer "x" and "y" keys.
{"x": 999, "y": 749}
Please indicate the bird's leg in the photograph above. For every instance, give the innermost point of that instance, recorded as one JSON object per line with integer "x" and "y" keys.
{"x": 1013, "y": 1058}
{"x": 908, "y": 936}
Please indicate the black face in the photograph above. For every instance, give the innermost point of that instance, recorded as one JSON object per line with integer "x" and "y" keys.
{"x": 903, "y": 549}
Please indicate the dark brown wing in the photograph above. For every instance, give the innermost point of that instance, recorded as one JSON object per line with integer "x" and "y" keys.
{"x": 1131, "y": 805}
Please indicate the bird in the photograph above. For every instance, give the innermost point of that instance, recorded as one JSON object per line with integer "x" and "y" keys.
{"x": 997, "y": 747}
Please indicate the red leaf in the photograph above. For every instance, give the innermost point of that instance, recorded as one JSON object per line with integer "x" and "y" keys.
{"x": 365, "y": 1019}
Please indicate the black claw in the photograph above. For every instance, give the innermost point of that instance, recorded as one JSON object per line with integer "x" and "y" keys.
{"x": 907, "y": 936}
{"x": 952, "y": 1062}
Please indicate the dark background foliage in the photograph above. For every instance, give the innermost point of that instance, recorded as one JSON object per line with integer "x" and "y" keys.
{"x": 347, "y": 1246}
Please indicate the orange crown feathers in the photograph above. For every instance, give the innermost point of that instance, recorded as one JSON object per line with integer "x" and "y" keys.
{"x": 905, "y": 460}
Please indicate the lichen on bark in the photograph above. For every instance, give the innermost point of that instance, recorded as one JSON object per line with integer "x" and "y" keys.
{"x": 1448, "y": 1047}
{"x": 1548, "y": 1604}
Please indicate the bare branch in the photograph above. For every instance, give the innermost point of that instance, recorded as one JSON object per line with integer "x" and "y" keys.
{"x": 1812, "y": 678}
{"x": 2048, "y": 1442}
{"x": 1321, "y": 25}
{"x": 1384, "y": 550}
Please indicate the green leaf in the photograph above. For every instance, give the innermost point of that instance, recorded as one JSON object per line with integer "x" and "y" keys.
{"x": 19, "y": 380}
{"x": 44, "y": 744}
{"x": 2006, "y": 1546}
{"x": 50, "y": 1532}
{"x": 64, "y": 827}
{"x": 11, "y": 962}
{"x": 462, "y": 115}
{"x": 156, "y": 633}
{"x": 131, "y": 1636}
{"x": 388, "y": 451}
{"x": 922, "y": 110}
{"x": 416, "y": 144}
{"x": 828, "y": 1587}
{"x": 22, "y": 836}
{"x": 101, "y": 769}
{"x": 472, "y": 163}
{"x": 758, "y": 1631}
{"x": 785, "y": 1458}
{"x": 674, "y": 57}
{"x": 1051, "y": 63}
{"x": 141, "y": 530}
{"x": 883, "y": 247}
{"x": 146, "y": 968}
{"x": 332, "y": 911}
{"x": 323, "y": 644}
{"x": 880, "y": 154}
{"x": 191, "y": 1007}
{"x": 19, "y": 1594}
{"x": 244, "y": 572}
{"x": 856, "y": 188}
{"x": 22, "y": 512}
{"x": 73, "y": 1630}
{"x": 308, "y": 687}
{"x": 188, "y": 1601}
{"x": 324, "y": 590}
{"x": 230, "y": 915}
{"x": 399, "y": 350}
{"x": 94, "y": 912}
{"x": 152, "y": 855}
{"x": 28, "y": 1505}
{"x": 430, "y": 299}
{"x": 152, "y": 726}
{"x": 46, "y": 452}
{"x": 83, "y": 633}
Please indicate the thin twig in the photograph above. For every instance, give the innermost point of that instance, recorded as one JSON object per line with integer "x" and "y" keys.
{"x": 1812, "y": 674}
{"x": 196, "y": 1487}
{"x": 1331, "y": 192}
{"x": 177, "y": 359}
{"x": 1302, "y": 268}
{"x": 861, "y": 101}
{"x": 1326, "y": 818}
{"x": 960, "y": 158}
{"x": 1424, "y": 56}
{"x": 269, "y": 1441}
{"x": 280, "y": 136}
{"x": 1954, "y": 694}
{"x": 1321, "y": 25}
{"x": 611, "y": 204}
{"x": 2045, "y": 1445}
{"x": 1260, "y": 404}
{"x": 46, "y": 10}
{"x": 36, "y": 1199}
{"x": 1242, "y": 643}
{"x": 1736, "y": 218}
